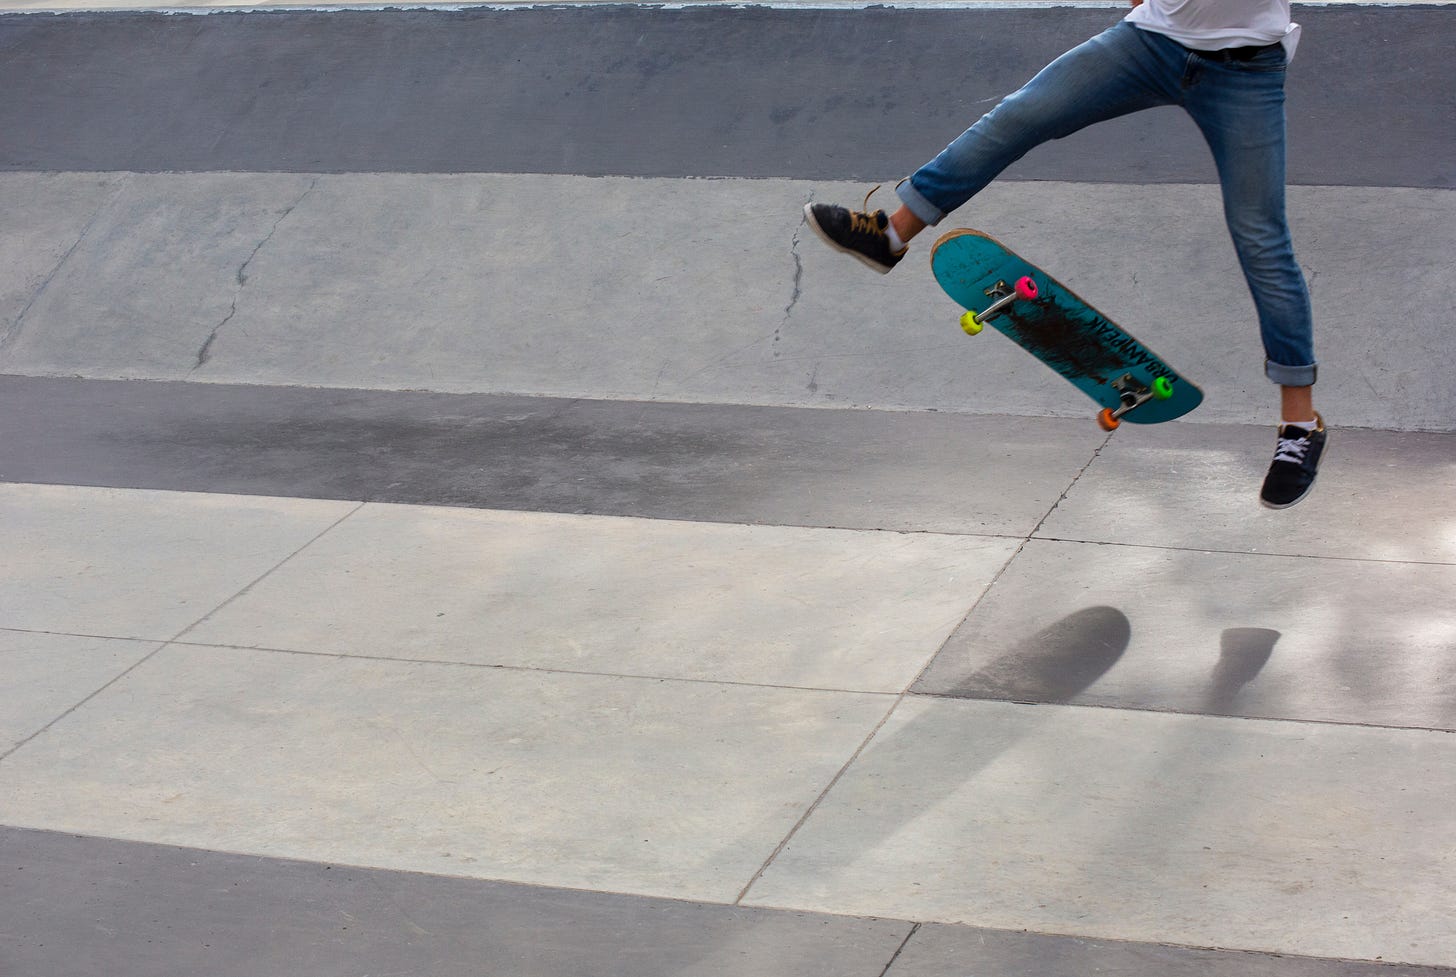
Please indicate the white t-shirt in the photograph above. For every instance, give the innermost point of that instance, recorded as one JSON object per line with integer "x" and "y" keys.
{"x": 1212, "y": 25}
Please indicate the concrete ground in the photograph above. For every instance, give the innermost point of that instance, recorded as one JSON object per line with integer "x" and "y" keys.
{"x": 458, "y": 521}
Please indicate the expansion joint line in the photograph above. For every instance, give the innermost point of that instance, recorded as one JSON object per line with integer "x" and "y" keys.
{"x": 905, "y": 693}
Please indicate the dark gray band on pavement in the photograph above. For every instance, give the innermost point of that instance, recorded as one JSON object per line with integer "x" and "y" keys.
{"x": 95, "y": 907}
{"x": 704, "y": 91}
{"x": 701, "y": 462}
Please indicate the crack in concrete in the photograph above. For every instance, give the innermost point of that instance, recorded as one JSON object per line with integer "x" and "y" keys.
{"x": 205, "y": 353}
{"x": 798, "y": 276}
{"x": 12, "y": 333}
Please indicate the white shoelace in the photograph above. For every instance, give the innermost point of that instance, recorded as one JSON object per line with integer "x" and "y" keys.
{"x": 1292, "y": 449}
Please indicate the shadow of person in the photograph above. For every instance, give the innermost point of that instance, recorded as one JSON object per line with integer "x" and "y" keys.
{"x": 1243, "y": 653}
{"x": 1056, "y": 664}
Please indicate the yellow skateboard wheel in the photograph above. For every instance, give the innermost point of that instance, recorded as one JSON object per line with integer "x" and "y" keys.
{"x": 970, "y": 325}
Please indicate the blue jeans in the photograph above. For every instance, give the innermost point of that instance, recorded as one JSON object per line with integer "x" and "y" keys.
{"x": 1239, "y": 107}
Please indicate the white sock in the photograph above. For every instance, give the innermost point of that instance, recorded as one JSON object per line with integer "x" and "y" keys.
{"x": 895, "y": 243}
{"x": 1302, "y": 425}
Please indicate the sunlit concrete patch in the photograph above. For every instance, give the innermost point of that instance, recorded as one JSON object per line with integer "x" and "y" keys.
{"x": 1323, "y": 840}
{"x": 630, "y": 785}
{"x": 1380, "y": 495}
{"x": 764, "y": 605}
{"x": 43, "y": 676}
{"x": 1229, "y": 634}
{"x": 139, "y": 564}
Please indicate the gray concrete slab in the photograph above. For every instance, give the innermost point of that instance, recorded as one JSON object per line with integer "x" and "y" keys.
{"x": 155, "y": 273}
{"x": 673, "y": 789}
{"x": 147, "y": 565}
{"x": 809, "y": 608}
{"x": 909, "y": 471}
{"x": 1312, "y": 839}
{"x": 1136, "y": 627}
{"x": 44, "y": 676}
{"x": 1380, "y": 496}
{"x": 409, "y": 282}
{"x": 636, "y": 91}
{"x": 90, "y": 907}
{"x": 45, "y": 216}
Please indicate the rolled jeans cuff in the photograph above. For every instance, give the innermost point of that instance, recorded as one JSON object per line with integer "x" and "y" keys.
{"x": 918, "y": 205}
{"x": 1291, "y": 376}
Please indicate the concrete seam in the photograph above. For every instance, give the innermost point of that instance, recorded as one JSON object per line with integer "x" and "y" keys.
{"x": 833, "y": 782}
{"x": 67, "y": 713}
{"x": 162, "y": 646}
{"x": 177, "y": 638}
{"x": 655, "y": 679}
{"x": 1021, "y": 547}
{"x": 900, "y": 949}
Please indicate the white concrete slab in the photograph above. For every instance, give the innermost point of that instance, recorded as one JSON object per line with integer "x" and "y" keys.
{"x": 763, "y": 605}
{"x": 122, "y": 564}
{"x": 456, "y": 283}
{"x": 1275, "y": 637}
{"x": 665, "y": 788}
{"x": 1381, "y": 495}
{"x": 43, "y": 676}
{"x": 1324, "y": 840}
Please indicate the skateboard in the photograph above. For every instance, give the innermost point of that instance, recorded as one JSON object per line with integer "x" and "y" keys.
{"x": 999, "y": 288}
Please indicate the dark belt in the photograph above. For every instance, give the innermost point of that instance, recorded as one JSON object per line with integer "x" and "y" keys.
{"x": 1237, "y": 53}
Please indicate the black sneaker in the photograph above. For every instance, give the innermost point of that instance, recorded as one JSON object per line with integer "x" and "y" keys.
{"x": 1296, "y": 462}
{"x": 855, "y": 232}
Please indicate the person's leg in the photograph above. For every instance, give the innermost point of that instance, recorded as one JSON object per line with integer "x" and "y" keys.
{"x": 1117, "y": 72}
{"x": 1239, "y": 107}
{"x": 1120, "y": 71}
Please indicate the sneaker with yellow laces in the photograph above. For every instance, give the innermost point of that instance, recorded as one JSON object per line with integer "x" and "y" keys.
{"x": 858, "y": 233}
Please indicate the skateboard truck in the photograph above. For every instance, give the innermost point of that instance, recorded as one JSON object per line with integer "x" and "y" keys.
{"x": 1004, "y": 295}
{"x": 1134, "y": 395}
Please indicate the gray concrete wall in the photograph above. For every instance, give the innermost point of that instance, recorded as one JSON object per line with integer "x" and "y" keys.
{"x": 686, "y": 290}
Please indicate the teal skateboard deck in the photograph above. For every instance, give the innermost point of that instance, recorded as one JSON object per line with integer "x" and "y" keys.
{"x": 999, "y": 288}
